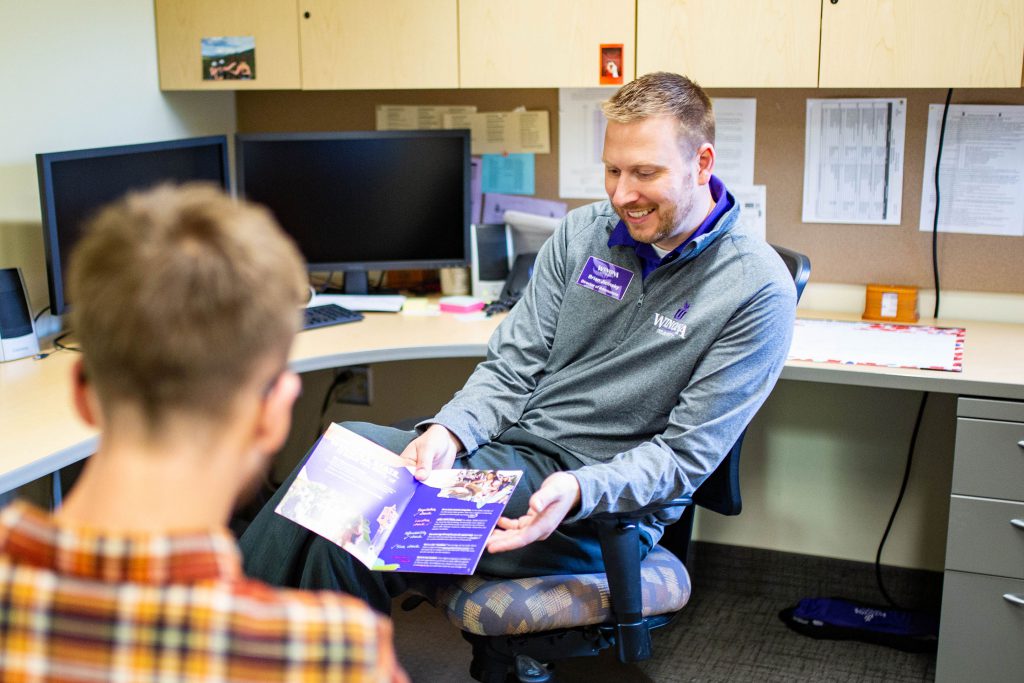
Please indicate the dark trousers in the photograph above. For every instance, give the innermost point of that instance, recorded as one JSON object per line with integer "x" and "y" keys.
{"x": 280, "y": 552}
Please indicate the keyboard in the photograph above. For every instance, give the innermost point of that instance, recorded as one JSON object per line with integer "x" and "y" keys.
{"x": 328, "y": 314}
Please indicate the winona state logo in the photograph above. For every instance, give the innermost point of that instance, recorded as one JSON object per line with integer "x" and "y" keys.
{"x": 669, "y": 327}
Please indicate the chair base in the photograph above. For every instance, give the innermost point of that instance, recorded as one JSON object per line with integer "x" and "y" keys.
{"x": 494, "y": 656}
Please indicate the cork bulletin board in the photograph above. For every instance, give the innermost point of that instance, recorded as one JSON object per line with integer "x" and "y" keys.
{"x": 853, "y": 254}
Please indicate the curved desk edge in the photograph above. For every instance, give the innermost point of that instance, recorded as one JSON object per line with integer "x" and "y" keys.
{"x": 48, "y": 465}
{"x": 344, "y": 358}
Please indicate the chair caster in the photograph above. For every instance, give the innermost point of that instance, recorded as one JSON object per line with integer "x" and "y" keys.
{"x": 529, "y": 670}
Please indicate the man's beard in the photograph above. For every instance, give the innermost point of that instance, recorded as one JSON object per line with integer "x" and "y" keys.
{"x": 668, "y": 223}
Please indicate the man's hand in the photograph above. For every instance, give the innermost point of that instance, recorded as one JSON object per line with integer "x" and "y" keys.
{"x": 549, "y": 505}
{"x": 433, "y": 449}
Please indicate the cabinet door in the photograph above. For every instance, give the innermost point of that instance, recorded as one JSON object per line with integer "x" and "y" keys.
{"x": 731, "y": 43}
{"x": 181, "y": 26}
{"x": 921, "y": 43}
{"x": 542, "y": 43}
{"x": 359, "y": 45}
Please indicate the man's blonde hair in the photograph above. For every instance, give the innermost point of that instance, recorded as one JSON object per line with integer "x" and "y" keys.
{"x": 666, "y": 94}
{"x": 180, "y": 296}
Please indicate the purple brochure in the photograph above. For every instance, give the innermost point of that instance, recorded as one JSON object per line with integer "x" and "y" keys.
{"x": 361, "y": 496}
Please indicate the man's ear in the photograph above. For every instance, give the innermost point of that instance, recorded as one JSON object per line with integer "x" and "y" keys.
{"x": 84, "y": 398}
{"x": 276, "y": 412}
{"x": 705, "y": 163}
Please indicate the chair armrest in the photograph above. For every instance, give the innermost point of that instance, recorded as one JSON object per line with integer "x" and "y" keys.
{"x": 619, "y": 536}
{"x": 633, "y": 515}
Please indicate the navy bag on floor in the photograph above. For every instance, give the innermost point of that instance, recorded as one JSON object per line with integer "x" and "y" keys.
{"x": 841, "y": 619}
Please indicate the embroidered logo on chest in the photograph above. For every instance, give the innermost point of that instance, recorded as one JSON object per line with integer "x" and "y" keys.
{"x": 669, "y": 327}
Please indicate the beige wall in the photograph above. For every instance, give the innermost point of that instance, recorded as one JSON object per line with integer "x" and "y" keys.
{"x": 76, "y": 75}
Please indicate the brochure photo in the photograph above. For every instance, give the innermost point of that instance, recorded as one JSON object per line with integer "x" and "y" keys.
{"x": 362, "y": 496}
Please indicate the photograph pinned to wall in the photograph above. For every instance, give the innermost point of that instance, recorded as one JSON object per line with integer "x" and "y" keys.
{"x": 611, "y": 64}
{"x": 229, "y": 58}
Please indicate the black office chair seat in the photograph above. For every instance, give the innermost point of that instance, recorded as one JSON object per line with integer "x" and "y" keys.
{"x": 496, "y": 607}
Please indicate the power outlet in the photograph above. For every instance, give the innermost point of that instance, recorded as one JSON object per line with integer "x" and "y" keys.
{"x": 354, "y": 385}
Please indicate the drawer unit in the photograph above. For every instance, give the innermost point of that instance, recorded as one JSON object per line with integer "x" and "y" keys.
{"x": 981, "y": 633}
{"x": 982, "y": 623}
{"x": 989, "y": 459}
{"x": 986, "y": 536}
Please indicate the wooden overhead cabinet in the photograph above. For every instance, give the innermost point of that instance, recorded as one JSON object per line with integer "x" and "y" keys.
{"x": 921, "y": 43}
{"x": 181, "y": 26}
{"x": 389, "y": 44}
{"x": 731, "y": 43}
{"x": 542, "y": 43}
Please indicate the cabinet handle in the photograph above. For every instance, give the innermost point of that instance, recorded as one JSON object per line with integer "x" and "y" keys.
{"x": 1021, "y": 443}
{"x": 1019, "y": 523}
{"x": 1014, "y": 599}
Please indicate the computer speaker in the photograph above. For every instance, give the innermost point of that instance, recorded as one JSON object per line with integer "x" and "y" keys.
{"x": 17, "y": 330}
{"x": 492, "y": 259}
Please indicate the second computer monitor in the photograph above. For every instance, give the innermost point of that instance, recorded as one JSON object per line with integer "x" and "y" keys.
{"x": 359, "y": 201}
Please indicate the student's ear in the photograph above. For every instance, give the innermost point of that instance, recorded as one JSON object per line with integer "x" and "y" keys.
{"x": 276, "y": 412}
{"x": 84, "y": 398}
{"x": 705, "y": 163}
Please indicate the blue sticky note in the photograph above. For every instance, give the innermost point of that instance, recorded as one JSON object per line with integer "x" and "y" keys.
{"x": 511, "y": 174}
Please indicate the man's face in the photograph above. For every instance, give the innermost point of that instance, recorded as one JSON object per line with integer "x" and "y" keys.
{"x": 649, "y": 182}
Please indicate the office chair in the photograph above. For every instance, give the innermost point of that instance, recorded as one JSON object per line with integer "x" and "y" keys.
{"x": 514, "y": 625}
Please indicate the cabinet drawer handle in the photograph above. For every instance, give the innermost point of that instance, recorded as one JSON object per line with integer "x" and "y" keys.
{"x": 1014, "y": 599}
{"x": 1021, "y": 443}
{"x": 1019, "y": 523}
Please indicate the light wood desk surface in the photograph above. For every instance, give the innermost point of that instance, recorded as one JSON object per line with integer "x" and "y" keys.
{"x": 40, "y": 433}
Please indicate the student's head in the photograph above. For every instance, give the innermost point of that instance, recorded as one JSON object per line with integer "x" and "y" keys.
{"x": 185, "y": 307}
{"x": 658, "y": 155}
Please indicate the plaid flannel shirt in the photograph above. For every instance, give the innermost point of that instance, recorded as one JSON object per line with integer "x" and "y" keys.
{"x": 81, "y": 605}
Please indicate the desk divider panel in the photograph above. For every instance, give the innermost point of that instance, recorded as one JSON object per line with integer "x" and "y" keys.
{"x": 854, "y": 254}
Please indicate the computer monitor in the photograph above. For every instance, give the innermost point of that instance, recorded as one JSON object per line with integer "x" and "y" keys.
{"x": 360, "y": 201}
{"x": 74, "y": 185}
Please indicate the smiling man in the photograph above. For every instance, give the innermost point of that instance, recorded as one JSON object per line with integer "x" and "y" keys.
{"x": 652, "y": 330}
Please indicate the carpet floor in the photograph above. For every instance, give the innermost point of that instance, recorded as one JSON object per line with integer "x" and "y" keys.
{"x": 728, "y": 633}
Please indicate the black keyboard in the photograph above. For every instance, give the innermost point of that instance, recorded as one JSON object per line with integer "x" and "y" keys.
{"x": 328, "y": 314}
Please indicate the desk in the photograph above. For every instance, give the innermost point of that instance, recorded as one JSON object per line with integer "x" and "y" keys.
{"x": 41, "y": 434}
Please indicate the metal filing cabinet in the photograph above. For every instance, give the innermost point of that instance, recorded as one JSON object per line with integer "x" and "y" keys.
{"x": 982, "y": 632}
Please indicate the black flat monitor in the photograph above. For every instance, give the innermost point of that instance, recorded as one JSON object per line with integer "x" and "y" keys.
{"x": 366, "y": 200}
{"x": 74, "y": 185}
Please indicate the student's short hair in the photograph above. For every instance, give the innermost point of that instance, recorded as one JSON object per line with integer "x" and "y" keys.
{"x": 666, "y": 94}
{"x": 181, "y": 297}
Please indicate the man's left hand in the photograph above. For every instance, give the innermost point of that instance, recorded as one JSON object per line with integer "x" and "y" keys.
{"x": 549, "y": 505}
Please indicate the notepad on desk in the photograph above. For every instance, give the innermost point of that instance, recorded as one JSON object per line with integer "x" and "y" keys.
{"x": 382, "y": 303}
{"x": 881, "y": 344}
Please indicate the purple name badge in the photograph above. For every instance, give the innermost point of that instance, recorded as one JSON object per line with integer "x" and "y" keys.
{"x": 605, "y": 278}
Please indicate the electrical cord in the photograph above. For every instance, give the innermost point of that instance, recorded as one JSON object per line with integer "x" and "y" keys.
{"x": 40, "y": 314}
{"x": 899, "y": 501}
{"x": 924, "y": 397}
{"x": 339, "y": 379}
{"x": 61, "y": 347}
{"x": 935, "y": 218}
{"x": 323, "y": 285}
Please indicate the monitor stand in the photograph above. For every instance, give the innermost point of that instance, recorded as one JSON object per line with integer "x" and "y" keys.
{"x": 357, "y": 282}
